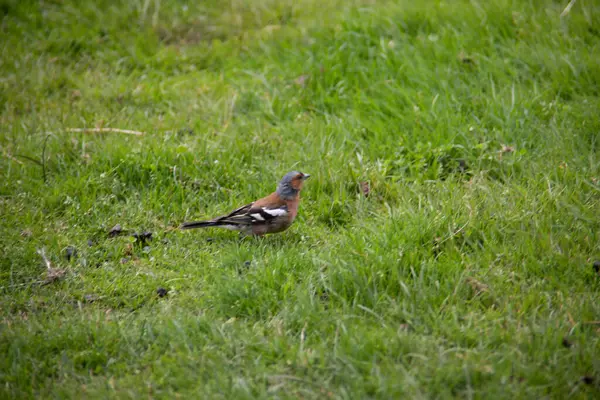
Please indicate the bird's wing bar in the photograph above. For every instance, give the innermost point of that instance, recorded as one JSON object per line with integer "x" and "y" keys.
{"x": 254, "y": 215}
{"x": 261, "y": 214}
{"x": 251, "y": 214}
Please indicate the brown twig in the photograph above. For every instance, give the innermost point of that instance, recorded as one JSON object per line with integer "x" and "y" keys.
{"x": 104, "y": 130}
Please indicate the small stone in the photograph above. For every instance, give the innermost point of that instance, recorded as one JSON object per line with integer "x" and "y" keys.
{"x": 90, "y": 243}
{"x": 162, "y": 292}
{"x": 247, "y": 263}
{"x": 125, "y": 260}
{"x": 115, "y": 231}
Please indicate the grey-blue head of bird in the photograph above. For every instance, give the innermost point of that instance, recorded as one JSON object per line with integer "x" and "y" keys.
{"x": 291, "y": 184}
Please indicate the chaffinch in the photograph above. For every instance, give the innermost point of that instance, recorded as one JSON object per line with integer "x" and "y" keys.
{"x": 271, "y": 214}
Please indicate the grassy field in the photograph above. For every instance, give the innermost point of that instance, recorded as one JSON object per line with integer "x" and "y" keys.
{"x": 466, "y": 272}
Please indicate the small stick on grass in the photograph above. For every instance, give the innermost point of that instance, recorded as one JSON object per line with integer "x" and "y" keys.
{"x": 104, "y": 130}
{"x": 52, "y": 273}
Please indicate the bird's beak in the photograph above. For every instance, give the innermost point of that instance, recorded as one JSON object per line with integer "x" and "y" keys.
{"x": 306, "y": 176}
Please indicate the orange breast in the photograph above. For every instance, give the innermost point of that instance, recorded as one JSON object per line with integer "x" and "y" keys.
{"x": 292, "y": 206}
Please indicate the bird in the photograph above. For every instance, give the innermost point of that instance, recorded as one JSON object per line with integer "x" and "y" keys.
{"x": 271, "y": 214}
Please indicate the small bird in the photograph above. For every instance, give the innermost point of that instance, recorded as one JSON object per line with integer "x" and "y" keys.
{"x": 271, "y": 214}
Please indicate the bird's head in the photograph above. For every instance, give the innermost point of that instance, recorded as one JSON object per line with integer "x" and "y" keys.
{"x": 291, "y": 184}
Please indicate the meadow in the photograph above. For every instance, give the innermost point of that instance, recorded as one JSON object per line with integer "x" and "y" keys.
{"x": 447, "y": 243}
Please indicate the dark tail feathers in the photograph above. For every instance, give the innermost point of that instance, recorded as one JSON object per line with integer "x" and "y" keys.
{"x": 198, "y": 224}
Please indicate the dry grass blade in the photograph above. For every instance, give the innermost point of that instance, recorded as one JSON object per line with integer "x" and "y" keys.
{"x": 42, "y": 253}
{"x": 105, "y": 130}
{"x": 568, "y": 8}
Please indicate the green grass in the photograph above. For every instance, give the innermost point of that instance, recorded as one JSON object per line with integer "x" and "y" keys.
{"x": 466, "y": 272}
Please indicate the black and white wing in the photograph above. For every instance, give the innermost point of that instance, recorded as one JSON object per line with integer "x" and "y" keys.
{"x": 266, "y": 214}
{"x": 249, "y": 215}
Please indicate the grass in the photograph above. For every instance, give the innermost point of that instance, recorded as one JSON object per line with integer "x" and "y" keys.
{"x": 467, "y": 271}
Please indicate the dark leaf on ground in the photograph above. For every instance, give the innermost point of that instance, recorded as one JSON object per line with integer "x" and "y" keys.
{"x": 115, "y": 231}
{"x": 143, "y": 237}
{"x": 70, "y": 252}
